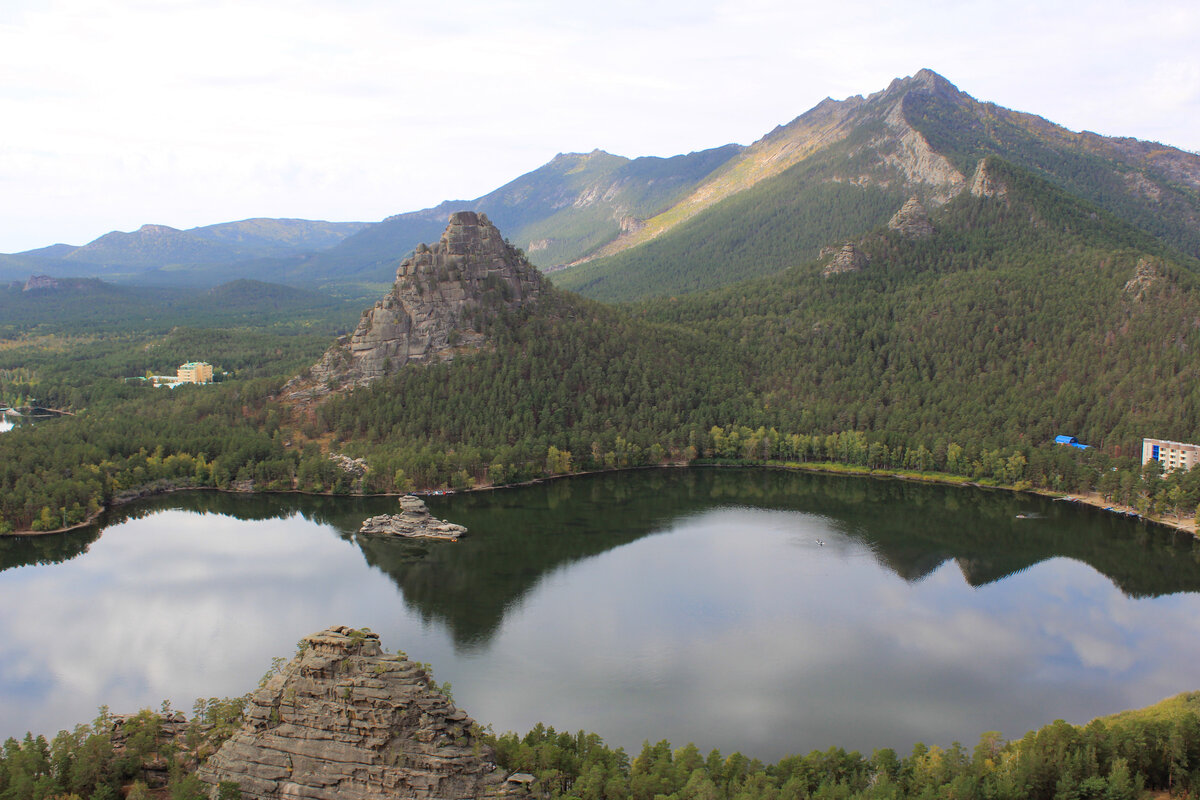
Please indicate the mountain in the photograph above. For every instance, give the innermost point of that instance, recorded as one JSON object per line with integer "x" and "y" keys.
{"x": 157, "y": 246}
{"x": 846, "y": 166}
{"x": 440, "y": 306}
{"x": 617, "y": 228}
{"x": 1003, "y": 316}
{"x": 561, "y": 211}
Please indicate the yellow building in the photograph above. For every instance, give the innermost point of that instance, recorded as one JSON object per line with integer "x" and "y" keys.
{"x": 1172, "y": 455}
{"x": 195, "y": 372}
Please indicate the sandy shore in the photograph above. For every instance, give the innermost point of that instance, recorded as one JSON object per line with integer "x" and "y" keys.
{"x": 1182, "y": 523}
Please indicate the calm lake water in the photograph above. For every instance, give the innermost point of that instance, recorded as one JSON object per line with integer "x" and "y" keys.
{"x": 759, "y": 611}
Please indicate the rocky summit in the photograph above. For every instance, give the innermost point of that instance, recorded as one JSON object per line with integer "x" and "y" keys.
{"x": 345, "y": 721}
{"x": 436, "y": 308}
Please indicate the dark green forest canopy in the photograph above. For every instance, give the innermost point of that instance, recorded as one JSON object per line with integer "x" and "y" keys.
{"x": 1013, "y": 322}
{"x": 1113, "y": 758}
{"x": 1016, "y": 321}
{"x": 1023, "y": 316}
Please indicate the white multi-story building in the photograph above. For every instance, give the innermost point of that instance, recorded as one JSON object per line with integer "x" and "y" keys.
{"x": 1172, "y": 455}
{"x": 195, "y": 372}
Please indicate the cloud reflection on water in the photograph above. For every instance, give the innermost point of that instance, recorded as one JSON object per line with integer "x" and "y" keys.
{"x": 731, "y": 628}
{"x": 725, "y": 633}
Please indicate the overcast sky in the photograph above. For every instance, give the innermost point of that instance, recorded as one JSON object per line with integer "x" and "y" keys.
{"x": 117, "y": 113}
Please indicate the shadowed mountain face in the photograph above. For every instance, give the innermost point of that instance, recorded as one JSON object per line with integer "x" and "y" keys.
{"x": 557, "y": 213}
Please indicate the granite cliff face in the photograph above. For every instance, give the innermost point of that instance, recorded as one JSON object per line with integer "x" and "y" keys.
{"x": 344, "y": 721}
{"x": 435, "y": 309}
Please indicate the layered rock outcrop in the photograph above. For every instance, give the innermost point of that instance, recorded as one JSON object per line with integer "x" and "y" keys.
{"x": 414, "y": 521}
{"x": 344, "y": 721}
{"x": 436, "y": 309}
{"x": 985, "y": 182}
{"x": 912, "y": 220}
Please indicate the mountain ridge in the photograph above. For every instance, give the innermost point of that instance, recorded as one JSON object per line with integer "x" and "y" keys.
{"x": 919, "y": 136}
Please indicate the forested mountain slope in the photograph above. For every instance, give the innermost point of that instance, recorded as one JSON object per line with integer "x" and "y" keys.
{"x": 847, "y": 160}
{"x": 1019, "y": 314}
{"x": 1024, "y": 314}
{"x": 560, "y": 211}
{"x": 156, "y": 246}
{"x": 627, "y": 229}
{"x": 958, "y": 338}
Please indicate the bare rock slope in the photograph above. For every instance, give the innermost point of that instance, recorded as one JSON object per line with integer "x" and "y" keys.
{"x": 345, "y": 721}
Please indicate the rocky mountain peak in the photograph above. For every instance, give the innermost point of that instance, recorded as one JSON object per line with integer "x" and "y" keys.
{"x": 36, "y": 282}
{"x": 436, "y": 308}
{"x": 158, "y": 230}
{"x": 345, "y": 721}
{"x": 930, "y": 80}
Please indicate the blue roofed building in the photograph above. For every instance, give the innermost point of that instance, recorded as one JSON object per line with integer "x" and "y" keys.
{"x": 1062, "y": 438}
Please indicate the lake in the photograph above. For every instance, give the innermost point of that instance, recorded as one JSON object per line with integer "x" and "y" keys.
{"x": 754, "y": 610}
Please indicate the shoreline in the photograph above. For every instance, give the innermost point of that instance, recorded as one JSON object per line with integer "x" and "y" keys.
{"x": 1182, "y": 524}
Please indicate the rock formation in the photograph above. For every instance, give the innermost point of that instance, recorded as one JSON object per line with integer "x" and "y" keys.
{"x": 40, "y": 282}
{"x": 1146, "y": 275}
{"x": 985, "y": 183}
{"x": 848, "y": 259}
{"x": 344, "y": 721}
{"x": 912, "y": 220}
{"x": 170, "y": 734}
{"x": 414, "y": 521}
{"x": 436, "y": 308}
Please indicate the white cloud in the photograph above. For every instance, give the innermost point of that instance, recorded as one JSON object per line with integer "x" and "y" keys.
{"x": 119, "y": 112}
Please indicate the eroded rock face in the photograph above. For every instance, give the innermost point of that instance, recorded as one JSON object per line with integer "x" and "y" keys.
{"x": 986, "y": 184}
{"x": 435, "y": 308}
{"x": 912, "y": 220}
{"x": 344, "y": 721}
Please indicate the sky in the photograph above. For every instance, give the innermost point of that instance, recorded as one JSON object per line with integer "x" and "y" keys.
{"x": 119, "y": 113}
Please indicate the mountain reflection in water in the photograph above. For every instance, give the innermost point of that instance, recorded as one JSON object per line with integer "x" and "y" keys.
{"x": 764, "y": 611}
